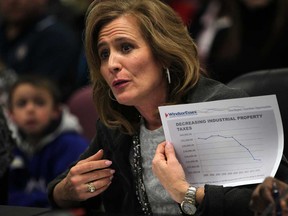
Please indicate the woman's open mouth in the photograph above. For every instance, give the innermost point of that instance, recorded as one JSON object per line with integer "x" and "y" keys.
{"x": 119, "y": 83}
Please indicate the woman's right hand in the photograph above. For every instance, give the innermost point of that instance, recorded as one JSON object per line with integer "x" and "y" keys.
{"x": 74, "y": 187}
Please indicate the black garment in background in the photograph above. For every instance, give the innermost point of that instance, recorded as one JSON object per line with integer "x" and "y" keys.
{"x": 259, "y": 48}
{"x": 46, "y": 47}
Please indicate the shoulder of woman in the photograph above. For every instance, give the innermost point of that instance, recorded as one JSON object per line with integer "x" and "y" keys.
{"x": 209, "y": 90}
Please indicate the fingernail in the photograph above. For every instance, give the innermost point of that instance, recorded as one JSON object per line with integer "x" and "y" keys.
{"x": 169, "y": 144}
{"x": 108, "y": 163}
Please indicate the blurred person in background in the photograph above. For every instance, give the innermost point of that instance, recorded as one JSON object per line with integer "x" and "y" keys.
{"x": 186, "y": 9}
{"x": 239, "y": 36}
{"x": 7, "y": 78}
{"x": 7, "y": 144}
{"x": 32, "y": 39}
{"x": 77, "y": 21}
{"x": 270, "y": 198}
{"x": 48, "y": 139}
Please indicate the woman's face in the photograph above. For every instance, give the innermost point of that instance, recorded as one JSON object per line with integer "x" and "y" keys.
{"x": 128, "y": 65}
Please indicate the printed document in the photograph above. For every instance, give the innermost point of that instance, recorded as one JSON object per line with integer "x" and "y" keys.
{"x": 226, "y": 142}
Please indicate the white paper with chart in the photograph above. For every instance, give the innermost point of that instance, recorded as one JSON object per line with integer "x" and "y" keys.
{"x": 226, "y": 142}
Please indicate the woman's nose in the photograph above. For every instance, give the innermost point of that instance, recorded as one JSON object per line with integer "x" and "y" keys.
{"x": 113, "y": 63}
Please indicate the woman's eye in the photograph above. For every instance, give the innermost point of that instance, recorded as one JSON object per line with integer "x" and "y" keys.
{"x": 104, "y": 54}
{"x": 127, "y": 48}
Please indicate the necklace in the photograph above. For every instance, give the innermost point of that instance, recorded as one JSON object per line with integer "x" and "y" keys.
{"x": 138, "y": 176}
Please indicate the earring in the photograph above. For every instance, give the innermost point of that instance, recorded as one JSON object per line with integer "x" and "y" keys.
{"x": 168, "y": 75}
{"x": 110, "y": 96}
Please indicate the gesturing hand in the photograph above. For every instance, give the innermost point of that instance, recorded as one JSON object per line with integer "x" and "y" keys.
{"x": 88, "y": 178}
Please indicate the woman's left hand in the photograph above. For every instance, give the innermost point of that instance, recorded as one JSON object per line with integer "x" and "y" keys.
{"x": 169, "y": 171}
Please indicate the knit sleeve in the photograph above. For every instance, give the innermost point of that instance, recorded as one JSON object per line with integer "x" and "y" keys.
{"x": 219, "y": 201}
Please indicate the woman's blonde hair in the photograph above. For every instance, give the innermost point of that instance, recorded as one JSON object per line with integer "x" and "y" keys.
{"x": 169, "y": 41}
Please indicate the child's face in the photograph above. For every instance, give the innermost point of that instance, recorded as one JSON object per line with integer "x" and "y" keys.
{"x": 32, "y": 109}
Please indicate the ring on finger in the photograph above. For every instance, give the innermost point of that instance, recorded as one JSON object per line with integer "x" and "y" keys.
{"x": 90, "y": 187}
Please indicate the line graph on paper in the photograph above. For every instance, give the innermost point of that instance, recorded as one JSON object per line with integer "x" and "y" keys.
{"x": 218, "y": 149}
{"x": 224, "y": 153}
{"x": 232, "y": 138}
{"x": 229, "y": 143}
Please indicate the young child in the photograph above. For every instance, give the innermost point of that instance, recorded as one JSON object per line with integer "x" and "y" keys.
{"x": 48, "y": 141}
